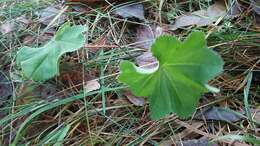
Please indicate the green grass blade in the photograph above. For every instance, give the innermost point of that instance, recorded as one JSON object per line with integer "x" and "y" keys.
{"x": 51, "y": 106}
{"x": 246, "y": 93}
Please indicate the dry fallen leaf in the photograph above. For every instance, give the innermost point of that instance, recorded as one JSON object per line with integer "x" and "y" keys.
{"x": 23, "y": 19}
{"x": 185, "y": 143}
{"x": 201, "y": 17}
{"x": 95, "y": 1}
{"x": 146, "y": 35}
{"x": 29, "y": 39}
{"x": 138, "y": 101}
{"x": 91, "y": 85}
{"x": 130, "y": 11}
{"x": 46, "y": 91}
{"x": 144, "y": 39}
{"x": 5, "y": 88}
{"x": 256, "y": 114}
{"x": 256, "y": 8}
{"x": 7, "y": 27}
{"x": 48, "y": 14}
{"x": 146, "y": 60}
{"x": 235, "y": 9}
{"x": 49, "y": 92}
{"x": 195, "y": 142}
{"x": 218, "y": 114}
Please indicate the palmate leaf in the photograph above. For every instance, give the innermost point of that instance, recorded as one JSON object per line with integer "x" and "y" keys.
{"x": 42, "y": 63}
{"x": 180, "y": 79}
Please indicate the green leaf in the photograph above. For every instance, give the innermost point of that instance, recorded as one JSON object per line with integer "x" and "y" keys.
{"x": 42, "y": 63}
{"x": 180, "y": 79}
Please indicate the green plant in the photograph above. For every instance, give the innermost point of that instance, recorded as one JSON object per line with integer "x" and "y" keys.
{"x": 174, "y": 86}
{"x": 41, "y": 63}
{"x": 180, "y": 79}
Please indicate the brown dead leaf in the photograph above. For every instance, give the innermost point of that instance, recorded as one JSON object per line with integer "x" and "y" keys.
{"x": 29, "y": 39}
{"x": 6, "y": 91}
{"x": 195, "y": 142}
{"x": 5, "y": 87}
{"x": 146, "y": 35}
{"x": 235, "y": 9}
{"x": 256, "y": 114}
{"x": 95, "y": 1}
{"x": 91, "y": 85}
{"x": 138, "y": 101}
{"x": 120, "y": 101}
{"x": 201, "y": 17}
{"x": 218, "y": 114}
{"x": 23, "y": 19}
{"x": 30, "y": 91}
{"x": 7, "y": 27}
{"x": 49, "y": 92}
{"x": 146, "y": 60}
{"x": 130, "y": 11}
{"x": 256, "y": 8}
{"x": 72, "y": 74}
{"x": 257, "y": 20}
{"x": 48, "y": 14}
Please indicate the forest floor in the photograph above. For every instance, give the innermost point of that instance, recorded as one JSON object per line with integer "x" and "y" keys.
{"x": 86, "y": 104}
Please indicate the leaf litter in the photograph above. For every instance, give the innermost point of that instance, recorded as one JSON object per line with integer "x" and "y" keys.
{"x": 219, "y": 114}
{"x": 48, "y": 14}
{"x": 91, "y": 85}
{"x": 144, "y": 60}
{"x": 6, "y": 90}
{"x": 5, "y": 87}
{"x": 138, "y": 101}
{"x": 7, "y": 27}
{"x": 201, "y": 17}
{"x": 46, "y": 91}
{"x": 145, "y": 37}
{"x": 130, "y": 11}
{"x": 256, "y": 7}
{"x": 235, "y": 9}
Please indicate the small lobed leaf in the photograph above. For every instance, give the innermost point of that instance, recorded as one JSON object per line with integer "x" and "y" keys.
{"x": 180, "y": 79}
{"x": 42, "y": 63}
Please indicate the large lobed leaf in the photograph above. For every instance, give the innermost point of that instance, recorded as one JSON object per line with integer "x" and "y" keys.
{"x": 41, "y": 63}
{"x": 180, "y": 79}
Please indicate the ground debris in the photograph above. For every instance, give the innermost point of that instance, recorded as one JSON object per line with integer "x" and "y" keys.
{"x": 201, "y": 17}
{"x": 219, "y": 114}
{"x": 138, "y": 101}
{"x": 47, "y": 15}
{"x": 7, "y": 27}
{"x": 130, "y": 10}
{"x": 91, "y": 86}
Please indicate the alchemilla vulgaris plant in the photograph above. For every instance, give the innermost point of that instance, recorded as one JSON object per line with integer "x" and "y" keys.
{"x": 175, "y": 86}
{"x": 181, "y": 77}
